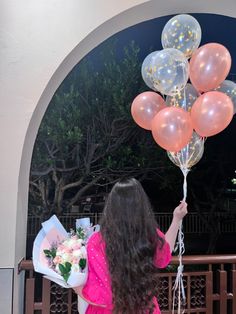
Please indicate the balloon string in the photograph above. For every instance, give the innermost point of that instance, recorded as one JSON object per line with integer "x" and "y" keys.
{"x": 179, "y": 284}
{"x": 185, "y": 172}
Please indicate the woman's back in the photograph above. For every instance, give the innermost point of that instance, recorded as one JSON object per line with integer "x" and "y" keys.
{"x": 124, "y": 257}
{"x": 98, "y": 287}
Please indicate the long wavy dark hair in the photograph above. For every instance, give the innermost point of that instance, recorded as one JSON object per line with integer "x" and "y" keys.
{"x": 129, "y": 229}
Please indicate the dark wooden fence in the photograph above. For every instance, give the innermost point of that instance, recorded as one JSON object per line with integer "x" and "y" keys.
{"x": 210, "y": 286}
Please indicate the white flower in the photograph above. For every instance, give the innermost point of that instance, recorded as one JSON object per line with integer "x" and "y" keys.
{"x": 84, "y": 252}
{"x": 75, "y": 268}
{"x": 66, "y": 257}
{"x": 57, "y": 268}
{"x": 77, "y": 253}
{"x": 70, "y": 242}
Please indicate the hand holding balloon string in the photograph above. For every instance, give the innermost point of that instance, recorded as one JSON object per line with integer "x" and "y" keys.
{"x": 180, "y": 212}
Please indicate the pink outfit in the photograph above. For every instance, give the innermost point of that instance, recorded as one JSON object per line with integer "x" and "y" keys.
{"x": 98, "y": 287}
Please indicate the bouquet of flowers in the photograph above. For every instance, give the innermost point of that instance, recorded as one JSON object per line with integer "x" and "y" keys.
{"x": 69, "y": 256}
{"x": 60, "y": 256}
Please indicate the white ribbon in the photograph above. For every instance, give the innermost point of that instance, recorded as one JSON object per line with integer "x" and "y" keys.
{"x": 179, "y": 285}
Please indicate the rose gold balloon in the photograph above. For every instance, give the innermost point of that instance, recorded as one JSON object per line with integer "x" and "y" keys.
{"x": 211, "y": 113}
{"x": 209, "y": 66}
{"x": 172, "y": 128}
{"x": 144, "y": 108}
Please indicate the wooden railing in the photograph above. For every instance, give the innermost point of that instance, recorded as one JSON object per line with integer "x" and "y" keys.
{"x": 209, "y": 282}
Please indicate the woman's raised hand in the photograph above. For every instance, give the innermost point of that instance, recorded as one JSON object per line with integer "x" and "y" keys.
{"x": 180, "y": 211}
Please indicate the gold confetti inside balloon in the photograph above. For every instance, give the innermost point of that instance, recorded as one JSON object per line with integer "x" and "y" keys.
{"x": 169, "y": 71}
{"x": 190, "y": 155}
{"x": 229, "y": 88}
{"x": 185, "y": 98}
{"x": 146, "y": 70}
{"x": 182, "y": 32}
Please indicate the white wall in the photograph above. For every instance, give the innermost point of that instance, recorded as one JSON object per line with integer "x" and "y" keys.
{"x": 40, "y": 42}
{"x": 6, "y": 280}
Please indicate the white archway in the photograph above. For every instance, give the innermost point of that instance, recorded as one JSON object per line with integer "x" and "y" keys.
{"x": 42, "y": 42}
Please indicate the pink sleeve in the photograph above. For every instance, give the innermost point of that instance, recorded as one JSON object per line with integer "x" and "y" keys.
{"x": 163, "y": 253}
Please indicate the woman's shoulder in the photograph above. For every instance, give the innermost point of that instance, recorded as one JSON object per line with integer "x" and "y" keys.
{"x": 96, "y": 243}
{"x": 161, "y": 239}
{"x": 160, "y": 233}
{"x": 95, "y": 238}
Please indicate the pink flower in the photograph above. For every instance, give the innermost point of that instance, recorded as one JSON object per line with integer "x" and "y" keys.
{"x": 63, "y": 249}
{"x": 75, "y": 260}
{"x": 67, "y": 250}
{"x": 57, "y": 260}
{"x": 76, "y": 246}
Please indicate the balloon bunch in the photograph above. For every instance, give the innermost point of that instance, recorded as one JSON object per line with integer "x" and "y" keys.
{"x": 190, "y": 112}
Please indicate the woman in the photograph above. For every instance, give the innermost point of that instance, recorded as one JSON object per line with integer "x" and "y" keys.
{"x": 124, "y": 257}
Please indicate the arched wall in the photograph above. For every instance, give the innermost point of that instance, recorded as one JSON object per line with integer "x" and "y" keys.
{"x": 41, "y": 41}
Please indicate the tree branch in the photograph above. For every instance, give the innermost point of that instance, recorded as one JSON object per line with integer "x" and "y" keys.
{"x": 73, "y": 184}
{"x": 82, "y": 191}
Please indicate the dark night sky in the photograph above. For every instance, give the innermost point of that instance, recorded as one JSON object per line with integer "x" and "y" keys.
{"x": 215, "y": 28}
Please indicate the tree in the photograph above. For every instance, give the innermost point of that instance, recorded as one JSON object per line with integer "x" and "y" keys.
{"x": 87, "y": 138}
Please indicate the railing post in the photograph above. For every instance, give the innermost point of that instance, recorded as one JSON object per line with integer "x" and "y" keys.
{"x": 69, "y": 310}
{"x": 234, "y": 288}
{"x": 170, "y": 292}
{"x": 209, "y": 291}
{"x": 29, "y": 300}
{"x": 46, "y": 296}
{"x": 223, "y": 290}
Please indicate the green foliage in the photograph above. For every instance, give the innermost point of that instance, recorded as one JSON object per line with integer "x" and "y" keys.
{"x": 80, "y": 233}
{"x": 59, "y": 131}
{"x": 82, "y": 263}
{"x": 65, "y": 270}
{"x": 50, "y": 253}
{"x": 87, "y": 137}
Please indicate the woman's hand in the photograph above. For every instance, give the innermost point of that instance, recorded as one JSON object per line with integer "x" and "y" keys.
{"x": 78, "y": 290}
{"x": 178, "y": 214}
{"x": 180, "y": 211}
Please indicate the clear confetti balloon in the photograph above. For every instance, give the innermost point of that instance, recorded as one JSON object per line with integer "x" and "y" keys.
{"x": 169, "y": 71}
{"x": 146, "y": 70}
{"x": 190, "y": 155}
{"x": 229, "y": 88}
{"x": 185, "y": 98}
{"x": 182, "y": 32}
